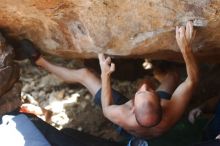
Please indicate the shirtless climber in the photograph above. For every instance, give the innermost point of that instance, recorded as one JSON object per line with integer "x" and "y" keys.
{"x": 151, "y": 112}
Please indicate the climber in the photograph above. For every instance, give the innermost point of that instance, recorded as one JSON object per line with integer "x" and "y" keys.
{"x": 151, "y": 112}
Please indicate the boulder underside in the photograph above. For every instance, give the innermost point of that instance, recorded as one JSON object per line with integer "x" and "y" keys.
{"x": 140, "y": 28}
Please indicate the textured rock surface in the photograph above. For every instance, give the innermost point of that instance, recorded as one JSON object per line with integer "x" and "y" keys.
{"x": 10, "y": 88}
{"x": 144, "y": 28}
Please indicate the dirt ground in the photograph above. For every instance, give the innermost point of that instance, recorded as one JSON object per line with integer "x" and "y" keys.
{"x": 73, "y": 106}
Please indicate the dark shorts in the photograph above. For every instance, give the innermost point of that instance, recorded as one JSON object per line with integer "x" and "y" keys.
{"x": 164, "y": 95}
{"x": 119, "y": 99}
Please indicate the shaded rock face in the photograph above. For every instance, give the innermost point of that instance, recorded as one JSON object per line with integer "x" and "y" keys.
{"x": 10, "y": 87}
{"x": 143, "y": 28}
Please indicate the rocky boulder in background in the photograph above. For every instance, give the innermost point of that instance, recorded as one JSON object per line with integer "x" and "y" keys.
{"x": 10, "y": 87}
{"x": 139, "y": 28}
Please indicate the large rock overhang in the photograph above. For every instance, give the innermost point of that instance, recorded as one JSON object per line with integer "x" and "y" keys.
{"x": 130, "y": 29}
